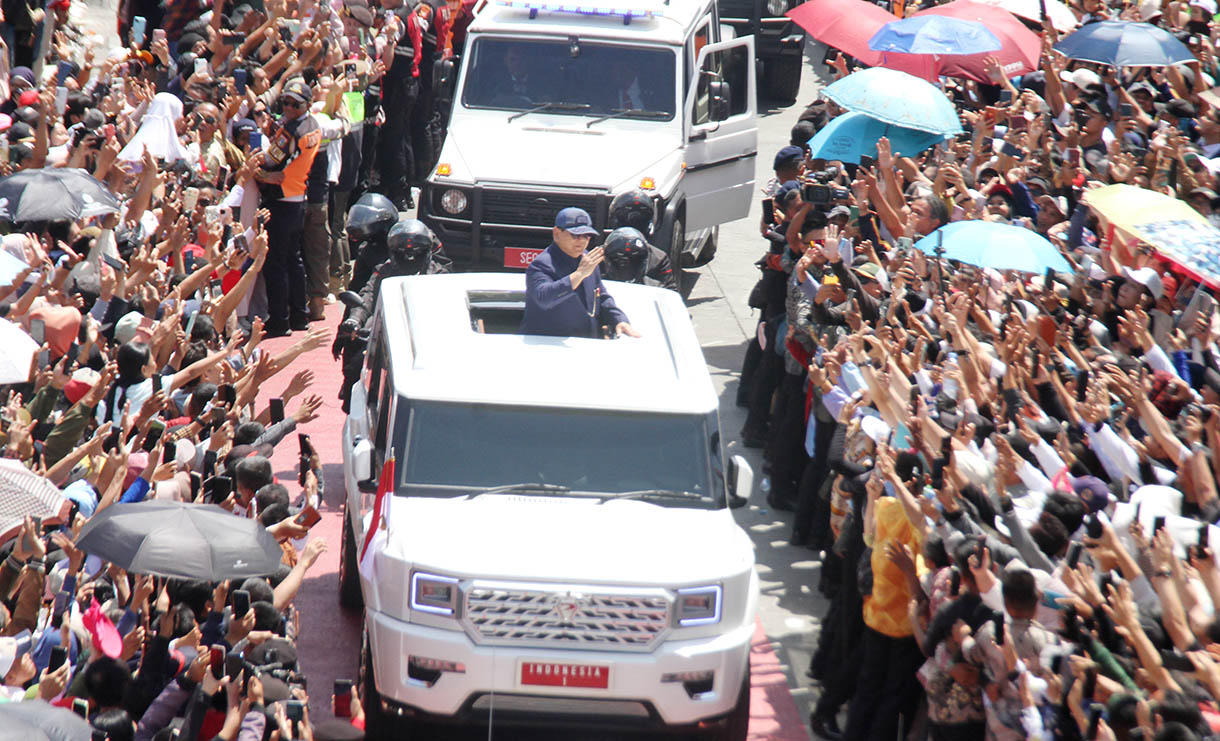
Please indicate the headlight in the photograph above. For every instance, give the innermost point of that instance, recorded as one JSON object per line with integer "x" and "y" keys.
{"x": 699, "y": 606}
{"x": 777, "y": 7}
{"x": 453, "y": 201}
{"x": 435, "y": 594}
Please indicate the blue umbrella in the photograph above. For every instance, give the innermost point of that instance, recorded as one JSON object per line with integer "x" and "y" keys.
{"x": 1124, "y": 44}
{"x": 934, "y": 34}
{"x": 989, "y": 244}
{"x": 848, "y": 136}
{"x": 896, "y": 98}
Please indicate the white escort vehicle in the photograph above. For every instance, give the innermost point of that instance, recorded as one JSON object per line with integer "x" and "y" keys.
{"x": 558, "y": 546}
{"x": 569, "y": 102}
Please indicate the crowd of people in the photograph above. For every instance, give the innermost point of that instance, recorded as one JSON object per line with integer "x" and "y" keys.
{"x": 235, "y": 137}
{"x": 1011, "y": 475}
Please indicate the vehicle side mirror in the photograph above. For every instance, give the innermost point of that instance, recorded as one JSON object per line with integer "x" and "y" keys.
{"x": 719, "y": 96}
{"x": 740, "y": 479}
{"x": 444, "y": 75}
{"x": 362, "y": 465}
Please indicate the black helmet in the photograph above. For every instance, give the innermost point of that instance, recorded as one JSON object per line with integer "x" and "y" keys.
{"x": 626, "y": 254}
{"x": 371, "y": 218}
{"x": 411, "y": 243}
{"x": 634, "y": 208}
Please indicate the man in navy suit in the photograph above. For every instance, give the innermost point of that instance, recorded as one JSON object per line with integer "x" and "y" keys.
{"x": 565, "y": 296}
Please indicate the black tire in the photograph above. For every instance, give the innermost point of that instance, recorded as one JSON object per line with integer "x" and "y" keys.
{"x": 673, "y": 232}
{"x": 378, "y": 724}
{"x": 350, "y": 596}
{"x": 782, "y": 77}
{"x": 736, "y": 726}
{"x": 709, "y": 249}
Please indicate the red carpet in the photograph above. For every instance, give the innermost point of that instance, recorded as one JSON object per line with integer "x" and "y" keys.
{"x": 329, "y": 640}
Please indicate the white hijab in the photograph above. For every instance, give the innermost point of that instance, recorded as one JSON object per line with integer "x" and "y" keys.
{"x": 158, "y": 132}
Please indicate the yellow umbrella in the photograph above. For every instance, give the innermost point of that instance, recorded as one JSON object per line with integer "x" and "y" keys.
{"x": 1179, "y": 233}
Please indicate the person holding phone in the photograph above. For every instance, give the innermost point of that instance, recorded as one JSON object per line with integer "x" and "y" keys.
{"x": 565, "y": 295}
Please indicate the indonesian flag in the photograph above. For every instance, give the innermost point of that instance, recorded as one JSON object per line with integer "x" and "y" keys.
{"x": 378, "y": 525}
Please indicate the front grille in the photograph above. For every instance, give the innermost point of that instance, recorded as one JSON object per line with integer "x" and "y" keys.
{"x": 564, "y": 618}
{"x": 533, "y": 209}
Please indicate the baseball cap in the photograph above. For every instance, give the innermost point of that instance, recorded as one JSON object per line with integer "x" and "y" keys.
{"x": 244, "y": 124}
{"x": 575, "y": 221}
{"x": 13, "y": 648}
{"x": 1143, "y": 86}
{"x": 868, "y": 270}
{"x": 1208, "y": 6}
{"x": 786, "y": 155}
{"x": 843, "y": 211}
{"x": 1081, "y": 78}
{"x": 29, "y": 97}
{"x": 299, "y": 90}
{"x": 786, "y": 190}
{"x": 1179, "y": 108}
{"x": 1148, "y": 278}
{"x": 82, "y": 380}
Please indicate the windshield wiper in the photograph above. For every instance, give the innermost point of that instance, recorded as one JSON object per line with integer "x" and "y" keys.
{"x": 553, "y": 106}
{"x": 619, "y": 112}
{"x": 531, "y": 488}
{"x": 658, "y": 493}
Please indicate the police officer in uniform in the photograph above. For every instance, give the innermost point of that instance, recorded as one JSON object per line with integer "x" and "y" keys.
{"x": 412, "y": 250}
{"x": 631, "y": 259}
{"x": 368, "y": 224}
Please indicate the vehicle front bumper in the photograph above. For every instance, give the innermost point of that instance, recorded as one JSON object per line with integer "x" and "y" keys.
{"x": 636, "y": 696}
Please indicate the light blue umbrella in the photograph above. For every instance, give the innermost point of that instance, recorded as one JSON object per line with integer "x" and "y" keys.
{"x": 1125, "y": 44}
{"x": 896, "y": 98}
{"x": 852, "y": 134}
{"x": 989, "y": 244}
{"x": 934, "y": 34}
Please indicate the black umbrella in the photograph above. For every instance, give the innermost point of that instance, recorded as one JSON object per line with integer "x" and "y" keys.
{"x": 56, "y": 724}
{"x": 178, "y": 539}
{"x": 54, "y": 194}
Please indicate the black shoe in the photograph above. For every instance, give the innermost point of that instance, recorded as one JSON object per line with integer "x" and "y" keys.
{"x": 736, "y": 502}
{"x": 276, "y": 330}
{"x": 300, "y": 325}
{"x": 799, "y": 538}
{"x": 825, "y": 727}
{"x": 783, "y": 504}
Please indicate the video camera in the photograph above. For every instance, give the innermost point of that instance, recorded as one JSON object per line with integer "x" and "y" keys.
{"x": 817, "y": 190}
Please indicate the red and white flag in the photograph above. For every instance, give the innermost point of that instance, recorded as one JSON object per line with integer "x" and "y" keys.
{"x": 379, "y": 524}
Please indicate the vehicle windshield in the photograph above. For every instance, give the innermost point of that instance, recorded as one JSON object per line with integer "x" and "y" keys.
{"x": 577, "y": 77}
{"x": 459, "y": 449}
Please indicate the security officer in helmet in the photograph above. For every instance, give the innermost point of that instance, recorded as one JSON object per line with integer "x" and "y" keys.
{"x": 631, "y": 259}
{"x": 368, "y": 223}
{"x": 412, "y": 249}
{"x": 636, "y": 210}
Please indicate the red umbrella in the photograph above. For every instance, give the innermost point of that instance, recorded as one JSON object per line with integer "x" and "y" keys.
{"x": 847, "y": 25}
{"x": 1018, "y": 56}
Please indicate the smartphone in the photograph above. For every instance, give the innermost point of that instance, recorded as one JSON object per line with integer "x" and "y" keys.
{"x": 190, "y": 198}
{"x": 1018, "y": 123}
{"x": 168, "y": 453}
{"x": 1126, "y": 110}
{"x": 768, "y": 209}
{"x": 955, "y": 583}
{"x": 59, "y": 656}
{"x": 1009, "y": 149}
{"x": 158, "y": 35}
{"x": 308, "y": 517}
{"x": 1073, "y": 557}
{"x": 1158, "y": 524}
{"x": 343, "y": 698}
{"x": 217, "y": 659}
{"x": 38, "y": 330}
{"x": 295, "y": 710}
{"x": 139, "y": 27}
{"x": 154, "y": 435}
{"x": 998, "y": 622}
{"x": 201, "y": 66}
{"x": 1095, "y": 711}
{"x": 239, "y": 80}
{"x": 1202, "y": 540}
{"x": 209, "y": 464}
{"x": 61, "y": 99}
{"x": 1073, "y": 157}
{"x": 241, "y": 603}
{"x": 219, "y": 488}
{"x": 1178, "y": 662}
{"x": 867, "y": 161}
{"x": 1090, "y": 683}
{"x": 1093, "y": 527}
{"x": 277, "y": 410}
{"x": 226, "y": 393}
{"x": 218, "y": 417}
{"x": 112, "y": 440}
{"x": 256, "y": 140}
{"x": 215, "y": 289}
{"x": 196, "y": 485}
{"x": 1082, "y": 385}
{"x": 306, "y": 452}
{"x": 71, "y": 356}
{"x": 234, "y": 665}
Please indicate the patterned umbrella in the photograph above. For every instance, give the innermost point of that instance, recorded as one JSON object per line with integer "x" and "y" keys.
{"x": 24, "y": 493}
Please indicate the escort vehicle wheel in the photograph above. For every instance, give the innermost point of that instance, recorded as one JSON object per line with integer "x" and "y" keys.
{"x": 349, "y": 568}
{"x": 709, "y": 248}
{"x": 677, "y": 247}
{"x": 782, "y": 77}
{"x": 379, "y": 725}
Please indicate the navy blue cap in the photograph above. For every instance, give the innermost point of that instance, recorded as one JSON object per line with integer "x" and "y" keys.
{"x": 575, "y": 221}
{"x": 786, "y": 190}
{"x": 789, "y": 152}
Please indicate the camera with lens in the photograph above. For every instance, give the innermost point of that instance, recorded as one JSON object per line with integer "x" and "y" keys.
{"x": 816, "y": 187}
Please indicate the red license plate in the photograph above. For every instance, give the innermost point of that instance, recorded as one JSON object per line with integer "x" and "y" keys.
{"x": 550, "y": 674}
{"x": 519, "y": 257}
